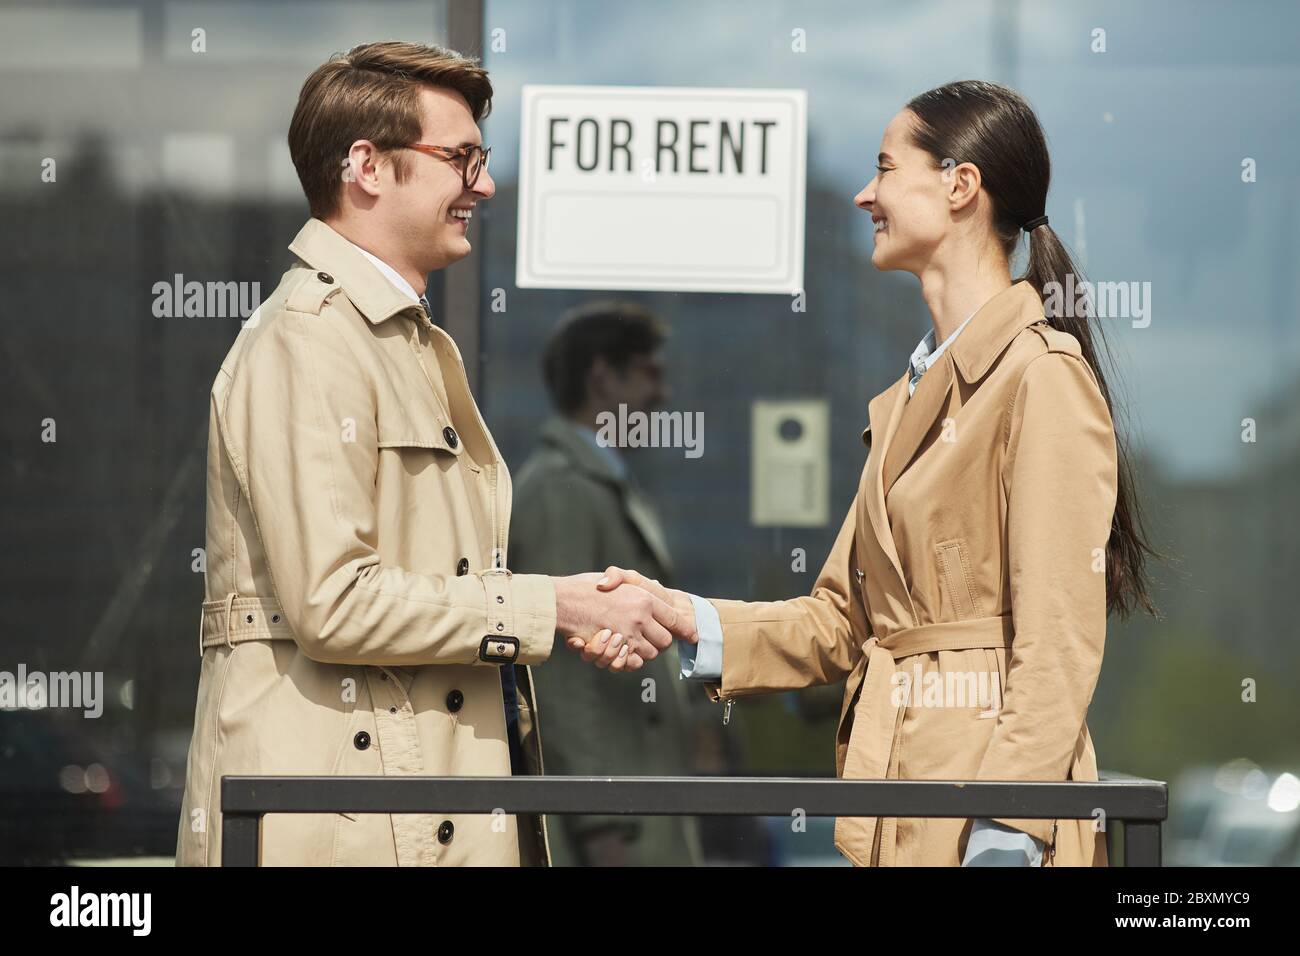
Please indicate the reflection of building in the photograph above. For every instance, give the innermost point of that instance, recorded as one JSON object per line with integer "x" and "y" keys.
{"x": 101, "y": 526}
{"x": 103, "y": 523}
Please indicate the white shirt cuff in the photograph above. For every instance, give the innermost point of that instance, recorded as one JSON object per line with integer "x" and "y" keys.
{"x": 703, "y": 661}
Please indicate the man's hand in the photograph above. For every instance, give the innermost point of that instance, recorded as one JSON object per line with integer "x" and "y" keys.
{"x": 614, "y": 576}
{"x": 630, "y": 625}
{"x": 605, "y": 649}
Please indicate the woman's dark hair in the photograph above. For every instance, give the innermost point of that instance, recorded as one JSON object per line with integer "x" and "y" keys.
{"x": 991, "y": 126}
{"x": 615, "y": 331}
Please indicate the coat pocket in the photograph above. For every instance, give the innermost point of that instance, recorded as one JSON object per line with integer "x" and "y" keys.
{"x": 399, "y": 432}
{"x": 420, "y": 446}
{"x": 958, "y": 580}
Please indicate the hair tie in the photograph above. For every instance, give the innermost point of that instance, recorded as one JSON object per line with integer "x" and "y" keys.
{"x": 1034, "y": 224}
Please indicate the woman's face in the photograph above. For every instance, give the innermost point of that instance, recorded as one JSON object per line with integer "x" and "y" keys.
{"x": 908, "y": 199}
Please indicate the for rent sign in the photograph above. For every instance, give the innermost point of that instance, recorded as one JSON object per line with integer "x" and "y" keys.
{"x": 662, "y": 189}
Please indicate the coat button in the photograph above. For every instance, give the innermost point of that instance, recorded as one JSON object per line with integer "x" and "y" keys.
{"x": 445, "y": 832}
{"x": 449, "y": 433}
{"x": 455, "y": 700}
{"x": 462, "y": 566}
{"x": 325, "y": 277}
{"x": 361, "y": 741}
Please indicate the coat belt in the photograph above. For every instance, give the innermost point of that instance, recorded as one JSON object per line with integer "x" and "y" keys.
{"x": 233, "y": 620}
{"x": 877, "y": 718}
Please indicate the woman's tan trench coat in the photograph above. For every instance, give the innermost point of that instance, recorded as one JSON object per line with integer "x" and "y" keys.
{"x": 974, "y": 547}
{"x": 353, "y": 622}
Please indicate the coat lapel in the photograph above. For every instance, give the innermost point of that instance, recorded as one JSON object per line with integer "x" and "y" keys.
{"x": 643, "y": 516}
{"x": 884, "y": 413}
{"x": 919, "y": 413}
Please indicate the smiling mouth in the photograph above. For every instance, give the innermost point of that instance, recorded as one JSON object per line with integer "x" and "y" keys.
{"x": 881, "y": 225}
{"x": 462, "y": 215}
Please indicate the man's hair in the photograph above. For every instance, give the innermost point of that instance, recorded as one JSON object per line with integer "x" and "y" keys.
{"x": 614, "y": 331}
{"x": 372, "y": 92}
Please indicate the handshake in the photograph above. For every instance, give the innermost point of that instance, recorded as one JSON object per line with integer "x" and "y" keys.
{"x": 620, "y": 619}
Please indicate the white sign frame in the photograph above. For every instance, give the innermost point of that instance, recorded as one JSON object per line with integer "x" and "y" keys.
{"x": 759, "y": 243}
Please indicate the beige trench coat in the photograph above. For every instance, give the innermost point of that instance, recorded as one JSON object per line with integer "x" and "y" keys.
{"x": 354, "y": 621}
{"x": 973, "y": 552}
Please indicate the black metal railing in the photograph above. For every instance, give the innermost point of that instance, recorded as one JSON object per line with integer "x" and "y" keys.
{"x": 1138, "y": 805}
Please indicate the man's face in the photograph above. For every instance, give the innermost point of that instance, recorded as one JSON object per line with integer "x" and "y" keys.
{"x": 640, "y": 385}
{"x": 432, "y": 236}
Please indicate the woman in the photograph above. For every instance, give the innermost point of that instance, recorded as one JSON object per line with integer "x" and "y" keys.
{"x": 995, "y": 525}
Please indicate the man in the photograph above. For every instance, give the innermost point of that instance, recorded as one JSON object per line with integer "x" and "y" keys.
{"x": 360, "y": 617}
{"x": 577, "y": 507}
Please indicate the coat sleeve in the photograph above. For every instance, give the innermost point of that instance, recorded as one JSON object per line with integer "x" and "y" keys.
{"x": 311, "y": 489}
{"x": 771, "y": 646}
{"x": 1059, "y": 473}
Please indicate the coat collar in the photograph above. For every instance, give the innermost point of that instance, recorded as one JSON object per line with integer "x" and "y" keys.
{"x": 994, "y": 325}
{"x": 375, "y": 297}
{"x": 562, "y": 435}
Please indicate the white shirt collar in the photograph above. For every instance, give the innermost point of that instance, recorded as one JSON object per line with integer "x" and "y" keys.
{"x": 925, "y": 354}
{"x": 389, "y": 273}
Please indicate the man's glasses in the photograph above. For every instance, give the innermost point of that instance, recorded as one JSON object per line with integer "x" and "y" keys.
{"x": 475, "y": 158}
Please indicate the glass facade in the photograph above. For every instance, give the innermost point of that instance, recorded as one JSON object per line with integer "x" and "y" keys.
{"x": 145, "y": 141}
